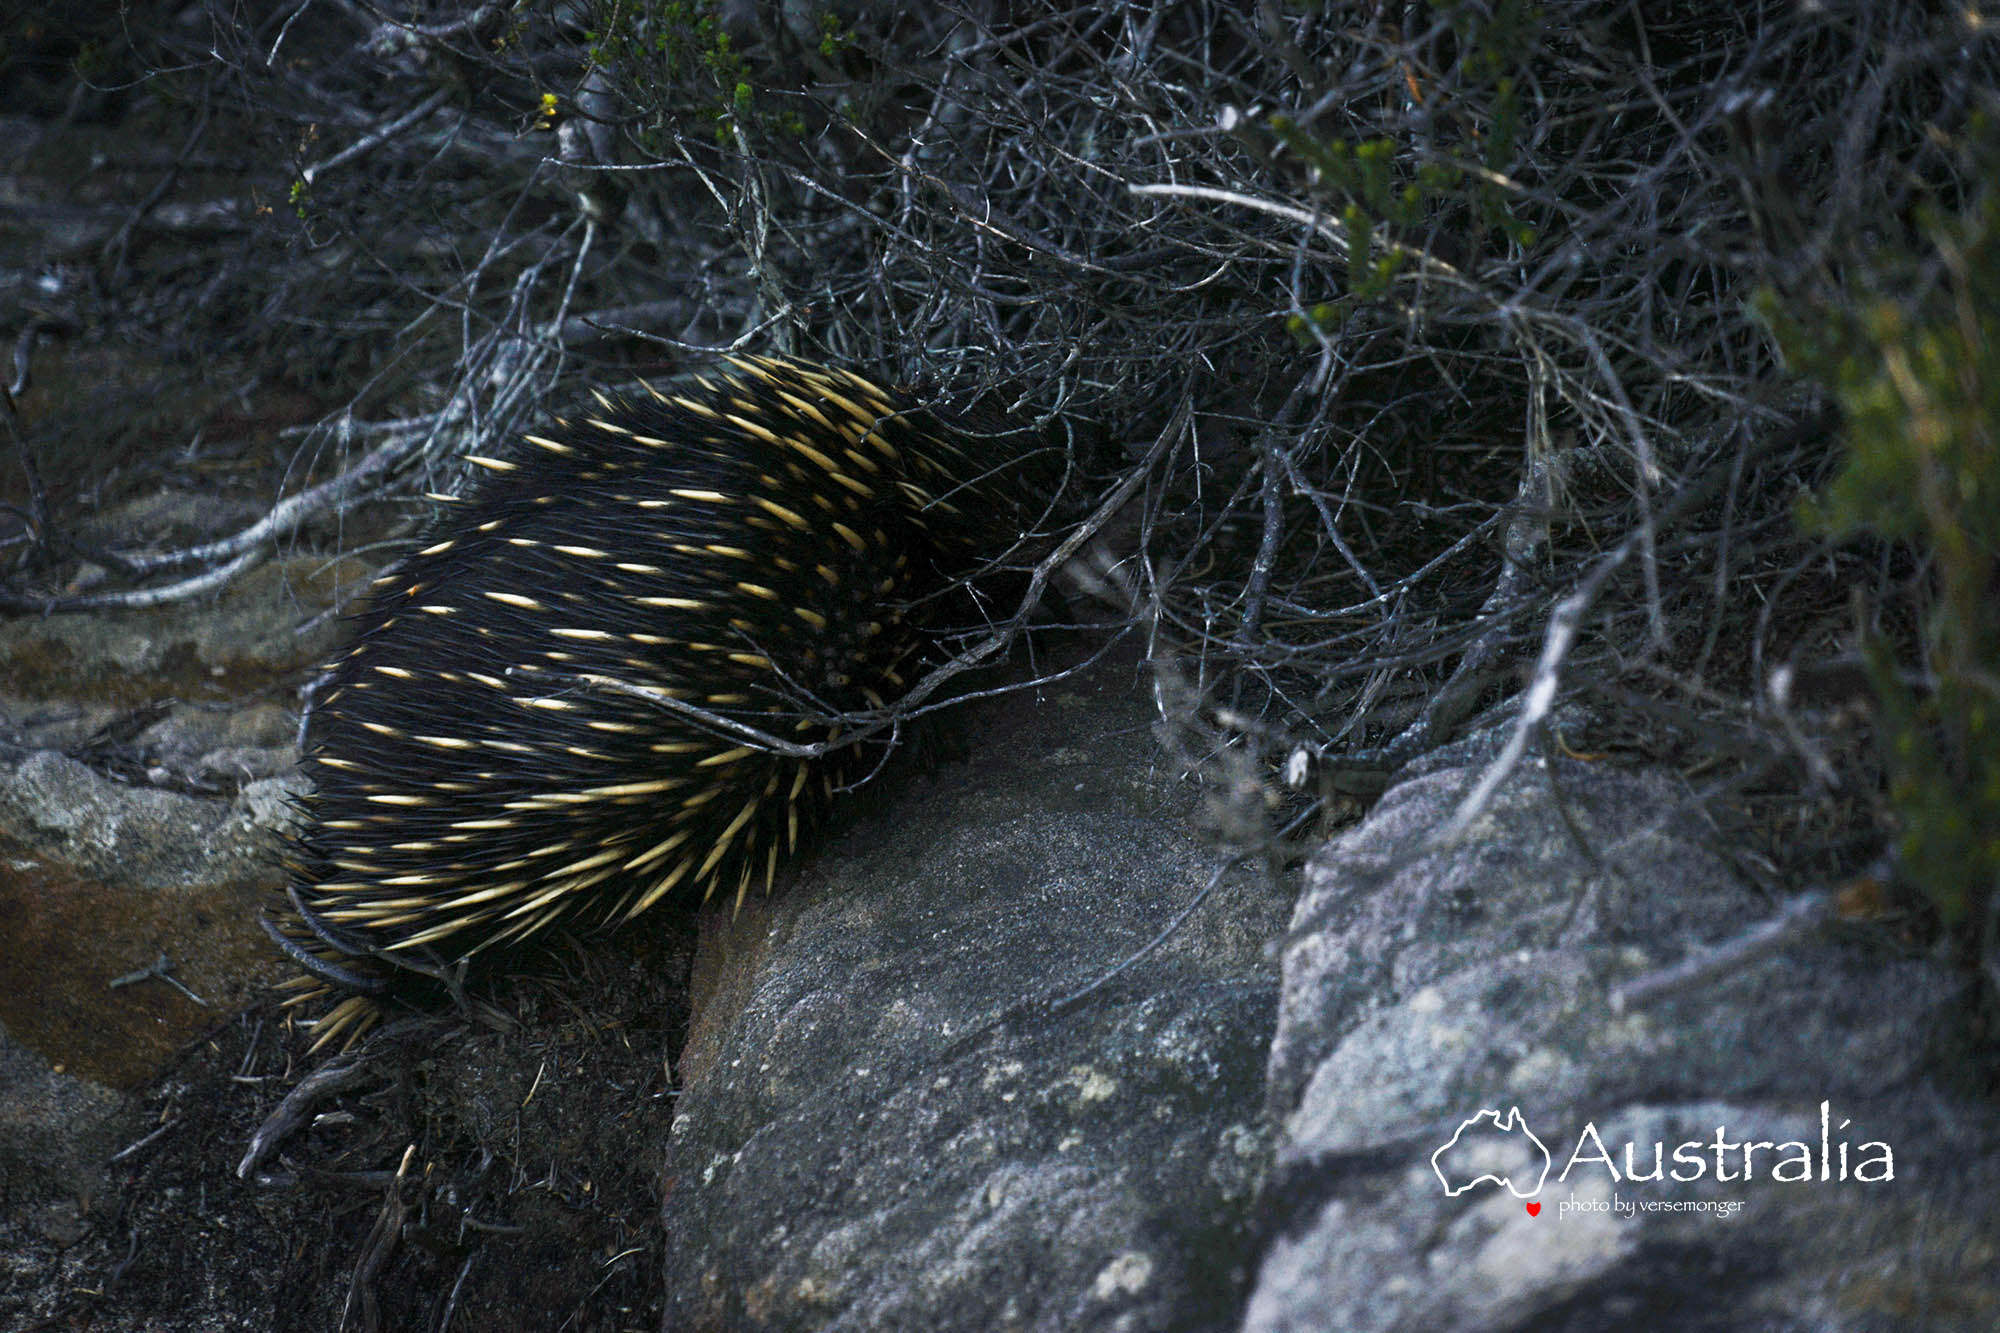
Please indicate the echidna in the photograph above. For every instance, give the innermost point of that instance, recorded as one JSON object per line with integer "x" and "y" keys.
{"x": 495, "y": 750}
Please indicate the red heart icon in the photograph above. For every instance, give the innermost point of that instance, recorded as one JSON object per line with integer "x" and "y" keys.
{"x": 1534, "y": 1210}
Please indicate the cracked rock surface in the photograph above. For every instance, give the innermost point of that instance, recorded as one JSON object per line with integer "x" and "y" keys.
{"x": 859, "y": 1146}
{"x": 1421, "y": 989}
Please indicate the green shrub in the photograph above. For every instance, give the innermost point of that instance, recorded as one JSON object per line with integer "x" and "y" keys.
{"x": 1912, "y": 355}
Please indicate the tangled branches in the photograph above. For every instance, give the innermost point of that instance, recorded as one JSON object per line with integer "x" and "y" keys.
{"x": 1440, "y": 312}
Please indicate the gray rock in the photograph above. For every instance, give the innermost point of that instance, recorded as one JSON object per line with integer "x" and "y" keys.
{"x": 857, "y": 1149}
{"x": 56, "y": 1131}
{"x": 1422, "y": 989}
{"x": 257, "y": 631}
{"x": 101, "y": 881}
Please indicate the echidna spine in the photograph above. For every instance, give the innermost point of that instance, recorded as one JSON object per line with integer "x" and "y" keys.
{"x": 489, "y": 755}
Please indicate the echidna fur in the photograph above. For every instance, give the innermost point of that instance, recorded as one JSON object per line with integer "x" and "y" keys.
{"x": 753, "y": 544}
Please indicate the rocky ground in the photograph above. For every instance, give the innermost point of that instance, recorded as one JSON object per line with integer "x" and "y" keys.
{"x": 919, "y": 1089}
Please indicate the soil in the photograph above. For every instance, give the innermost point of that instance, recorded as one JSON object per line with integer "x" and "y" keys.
{"x": 496, "y": 1167}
